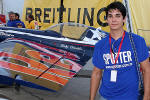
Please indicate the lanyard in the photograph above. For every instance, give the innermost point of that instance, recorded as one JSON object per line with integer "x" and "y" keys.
{"x": 118, "y": 50}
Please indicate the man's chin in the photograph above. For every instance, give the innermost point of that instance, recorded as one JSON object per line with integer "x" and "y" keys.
{"x": 114, "y": 28}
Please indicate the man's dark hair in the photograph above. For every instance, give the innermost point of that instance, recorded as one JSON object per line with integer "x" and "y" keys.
{"x": 31, "y": 16}
{"x": 116, "y": 5}
{"x": 16, "y": 14}
{"x": 11, "y": 12}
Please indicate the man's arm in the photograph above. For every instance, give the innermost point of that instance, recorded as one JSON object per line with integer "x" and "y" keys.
{"x": 95, "y": 81}
{"x": 145, "y": 65}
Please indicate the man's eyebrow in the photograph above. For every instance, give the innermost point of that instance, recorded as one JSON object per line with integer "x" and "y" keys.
{"x": 109, "y": 14}
{"x": 118, "y": 14}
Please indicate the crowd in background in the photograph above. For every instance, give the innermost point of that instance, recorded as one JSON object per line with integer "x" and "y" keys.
{"x": 14, "y": 21}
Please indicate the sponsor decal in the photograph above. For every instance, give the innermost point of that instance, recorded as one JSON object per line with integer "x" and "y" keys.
{"x": 123, "y": 61}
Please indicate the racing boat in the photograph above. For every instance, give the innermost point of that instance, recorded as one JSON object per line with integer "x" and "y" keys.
{"x": 45, "y": 59}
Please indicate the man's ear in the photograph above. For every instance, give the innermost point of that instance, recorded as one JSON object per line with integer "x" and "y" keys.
{"x": 124, "y": 20}
{"x": 106, "y": 20}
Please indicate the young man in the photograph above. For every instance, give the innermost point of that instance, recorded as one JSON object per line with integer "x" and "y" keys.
{"x": 11, "y": 21}
{"x": 114, "y": 61}
{"x": 19, "y": 23}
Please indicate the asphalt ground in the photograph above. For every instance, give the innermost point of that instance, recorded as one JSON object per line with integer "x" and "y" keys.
{"x": 76, "y": 89}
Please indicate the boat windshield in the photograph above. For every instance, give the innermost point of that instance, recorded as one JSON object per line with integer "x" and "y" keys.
{"x": 70, "y": 30}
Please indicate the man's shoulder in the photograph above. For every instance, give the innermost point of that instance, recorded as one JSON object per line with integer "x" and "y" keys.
{"x": 136, "y": 37}
{"x": 32, "y": 22}
{"x": 102, "y": 42}
{"x": 20, "y": 22}
{"x": 8, "y": 21}
{"x": 11, "y": 23}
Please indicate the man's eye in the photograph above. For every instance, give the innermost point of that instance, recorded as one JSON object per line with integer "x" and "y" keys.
{"x": 109, "y": 16}
{"x": 117, "y": 15}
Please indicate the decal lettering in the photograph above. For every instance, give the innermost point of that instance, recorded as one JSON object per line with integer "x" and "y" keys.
{"x": 53, "y": 15}
{"x": 28, "y": 12}
{"x": 64, "y": 63}
{"x": 89, "y": 14}
{"x": 46, "y": 15}
{"x": 86, "y": 14}
{"x": 98, "y": 18}
{"x": 69, "y": 15}
{"x": 35, "y": 68}
{"x": 78, "y": 15}
{"x": 38, "y": 13}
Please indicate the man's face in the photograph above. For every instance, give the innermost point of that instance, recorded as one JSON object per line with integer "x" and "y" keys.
{"x": 11, "y": 17}
{"x": 16, "y": 17}
{"x": 29, "y": 19}
{"x": 115, "y": 19}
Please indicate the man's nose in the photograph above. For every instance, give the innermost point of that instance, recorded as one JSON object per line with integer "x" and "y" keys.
{"x": 113, "y": 18}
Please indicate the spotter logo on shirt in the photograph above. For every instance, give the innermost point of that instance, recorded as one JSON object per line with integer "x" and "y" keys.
{"x": 124, "y": 57}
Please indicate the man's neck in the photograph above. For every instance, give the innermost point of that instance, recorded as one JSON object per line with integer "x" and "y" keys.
{"x": 116, "y": 34}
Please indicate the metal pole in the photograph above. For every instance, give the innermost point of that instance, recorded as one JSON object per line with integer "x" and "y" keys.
{"x": 61, "y": 11}
{"x": 128, "y": 16}
{"x": 1, "y": 5}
